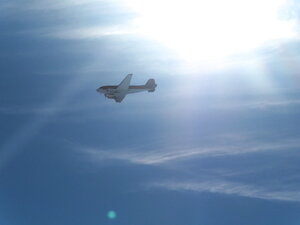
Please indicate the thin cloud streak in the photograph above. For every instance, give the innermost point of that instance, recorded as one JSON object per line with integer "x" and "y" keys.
{"x": 50, "y": 4}
{"x": 49, "y": 110}
{"x": 232, "y": 188}
{"x": 267, "y": 104}
{"x": 87, "y": 32}
{"x": 169, "y": 155}
{"x": 22, "y": 111}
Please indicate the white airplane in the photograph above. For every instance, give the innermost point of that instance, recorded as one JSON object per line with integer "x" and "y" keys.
{"x": 119, "y": 92}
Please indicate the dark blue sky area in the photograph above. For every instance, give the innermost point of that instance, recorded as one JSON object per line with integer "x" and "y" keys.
{"x": 217, "y": 142}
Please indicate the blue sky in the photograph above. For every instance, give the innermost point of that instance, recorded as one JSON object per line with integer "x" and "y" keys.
{"x": 217, "y": 143}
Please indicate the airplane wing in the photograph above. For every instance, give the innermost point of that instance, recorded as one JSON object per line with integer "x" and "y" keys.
{"x": 124, "y": 84}
{"x": 119, "y": 96}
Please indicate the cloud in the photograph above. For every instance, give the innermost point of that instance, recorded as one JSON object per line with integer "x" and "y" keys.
{"x": 232, "y": 188}
{"x": 86, "y": 32}
{"x": 49, "y": 110}
{"x": 220, "y": 179}
{"x": 47, "y": 4}
{"x": 284, "y": 104}
{"x": 33, "y": 110}
{"x": 291, "y": 10}
{"x": 174, "y": 154}
{"x": 275, "y": 103}
{"x": 228, "y": 178}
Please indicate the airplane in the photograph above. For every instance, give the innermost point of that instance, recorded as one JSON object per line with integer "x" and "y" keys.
{"x": 118, "y": 92}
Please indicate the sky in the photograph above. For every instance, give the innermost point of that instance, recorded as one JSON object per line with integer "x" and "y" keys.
{"x": 217, "y": 142}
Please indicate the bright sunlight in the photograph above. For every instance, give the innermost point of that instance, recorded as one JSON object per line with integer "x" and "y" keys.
{"x": 211, "y": 29}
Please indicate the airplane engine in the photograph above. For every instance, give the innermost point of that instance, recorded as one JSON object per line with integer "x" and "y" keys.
{"x": 111, "y": 96}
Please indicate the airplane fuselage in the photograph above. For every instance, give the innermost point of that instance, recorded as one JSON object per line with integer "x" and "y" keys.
{"x": 131, "y": 89}
{"x": 118, "y": 92}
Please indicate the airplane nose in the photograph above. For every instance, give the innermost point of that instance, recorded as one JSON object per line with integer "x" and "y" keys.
{"x": 100, "y": 90}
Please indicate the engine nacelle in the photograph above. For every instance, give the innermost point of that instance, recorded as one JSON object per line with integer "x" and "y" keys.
{"x": 111, "y": 96}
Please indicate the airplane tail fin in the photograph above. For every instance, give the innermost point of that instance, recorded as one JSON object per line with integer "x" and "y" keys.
{"x": 151, "y": 85}
{"x": 125, "y": 83}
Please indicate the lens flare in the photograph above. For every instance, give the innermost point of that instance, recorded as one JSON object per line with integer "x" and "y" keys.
{"x": 111, "y": 215}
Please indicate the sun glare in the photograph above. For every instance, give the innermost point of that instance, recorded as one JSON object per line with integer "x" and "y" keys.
{"x": 210, "y": 29}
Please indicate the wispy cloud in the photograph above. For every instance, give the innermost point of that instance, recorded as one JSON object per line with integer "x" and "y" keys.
{"x": 48, "y": 110}
{"x": 173, "y": 154}
{"x": 256, "y": 104}
{"x": 232, "y": 188}
{"x": 274, "y": 103}
{"x": 218, "y": 179}
{"x": 21, "y": 110}
{"x": 87, "y": 32}
{"x": 48, "y": 4}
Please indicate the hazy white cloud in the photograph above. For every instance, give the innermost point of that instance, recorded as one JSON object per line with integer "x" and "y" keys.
{"x": 32, "y": 110}
{"x": 48, "y": 4}
{"x": 49, "y": 110}
{"x": 86, "y": 32}
{"x": 213, "y": 180}
{"x": 233, "y": 188}
{"x": 173, "y": 154}
{"x": 255, "y": 104}
{"x": 274, "y": 103}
